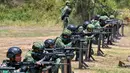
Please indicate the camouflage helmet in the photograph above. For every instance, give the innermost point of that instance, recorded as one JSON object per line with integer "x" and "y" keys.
{"x": 67, "y": 32}
{"x": 67, "y": 2}
{"x": 90, "y": 27}
{"x": 112, "y": 16}
{"x": 66, "y": 36}
{"x": 37, "y": 46}
{"x": 103, "y": 17}
{"x": 96, "y": 17}
{"x": 80, "y": 29}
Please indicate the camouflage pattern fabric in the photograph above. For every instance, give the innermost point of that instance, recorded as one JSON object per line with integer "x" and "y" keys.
{"x": 90, "y": 27}
{"x": 96, "y": 23}
{"x": 65, "y": 15}
{"x": 28, "y": 57}
{"x": 38, "y": 45}
{"x": 112, "y": 17}
{"x": 60, "y": 44}
{"x": 4, "y": 64}
{"x": 60, "y": 41}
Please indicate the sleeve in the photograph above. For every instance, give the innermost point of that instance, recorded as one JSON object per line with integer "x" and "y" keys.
{"x": 4, "y": 64}
{"x": 69, "y": 44}
{"x": 28, "y": 57}
{"x": 64, "y": 10}
{"x": 59, "y": 43}
{"x": 56, "y": 66}
{"x": 97, "y": 25}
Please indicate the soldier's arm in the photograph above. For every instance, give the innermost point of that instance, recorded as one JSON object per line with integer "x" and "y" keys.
{"x": 28, "y": 57}
{"x": 4, "y": 63}
{"x": 59, "y": 43}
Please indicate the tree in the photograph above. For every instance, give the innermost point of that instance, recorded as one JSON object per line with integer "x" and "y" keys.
{"x": 84, "y": 9}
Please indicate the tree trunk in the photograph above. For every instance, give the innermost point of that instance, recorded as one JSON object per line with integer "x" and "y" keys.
{"x": 84, "y": 9}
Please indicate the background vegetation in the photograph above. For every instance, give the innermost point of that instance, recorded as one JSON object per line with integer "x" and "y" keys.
{"x": 47, "y": 12}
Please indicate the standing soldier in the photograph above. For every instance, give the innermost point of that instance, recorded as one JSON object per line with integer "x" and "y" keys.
{"x": 66, "y": 11}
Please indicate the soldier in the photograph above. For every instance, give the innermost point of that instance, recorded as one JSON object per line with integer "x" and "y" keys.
{"x": 66, "y": 11}
{"x": 95, "y": 21}
{"x": 14, "y": 55}
{"x": 34, "y": 56}
{"x": 72, "y": 28}
{"x": 90, "y": 27}
{"x": 50, "y": 43}
{"x": 85, "y": 24}
{"x": 102, "y": 20}
{"x": 89, "y": 39}
{"x": 75, "y": 35}
{"x": 64, "y": 41}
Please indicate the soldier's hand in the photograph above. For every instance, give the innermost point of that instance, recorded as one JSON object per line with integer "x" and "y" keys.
{"x": 39, "y": 63}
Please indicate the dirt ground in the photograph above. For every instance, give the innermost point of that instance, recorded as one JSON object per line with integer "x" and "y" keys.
{"x": 24, "y": 37}
{"x": 25, "y": 43}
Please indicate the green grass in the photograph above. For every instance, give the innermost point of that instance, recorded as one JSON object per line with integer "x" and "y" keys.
{"x": 107, "y": 64}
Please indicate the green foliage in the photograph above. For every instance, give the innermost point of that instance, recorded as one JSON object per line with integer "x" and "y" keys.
{"x": 123, "y": 3}
{"x": 46, "y": 11}
{"x": 105, "y": 7}
{"x": 32, "y": 10}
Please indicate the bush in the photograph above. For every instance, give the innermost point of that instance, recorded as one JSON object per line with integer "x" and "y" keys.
{"x": 32, "y": 10}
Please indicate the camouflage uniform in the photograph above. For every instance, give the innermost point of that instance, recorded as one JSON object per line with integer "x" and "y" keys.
{"x": 103, "y": 19}
{"x": 61, "y": 42}
{"x": 96, "y": 23}
{"x": 14, "y": 55}
{"x": 65, "y": 14}
{"x": 4, "y": 64}
{"x": 90, "y": 27}
{"x": 30, "y": 58}
{"x": 55, "y": 68}
{"x": 50, "y": 43}
{"x": 89, "y": 38}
